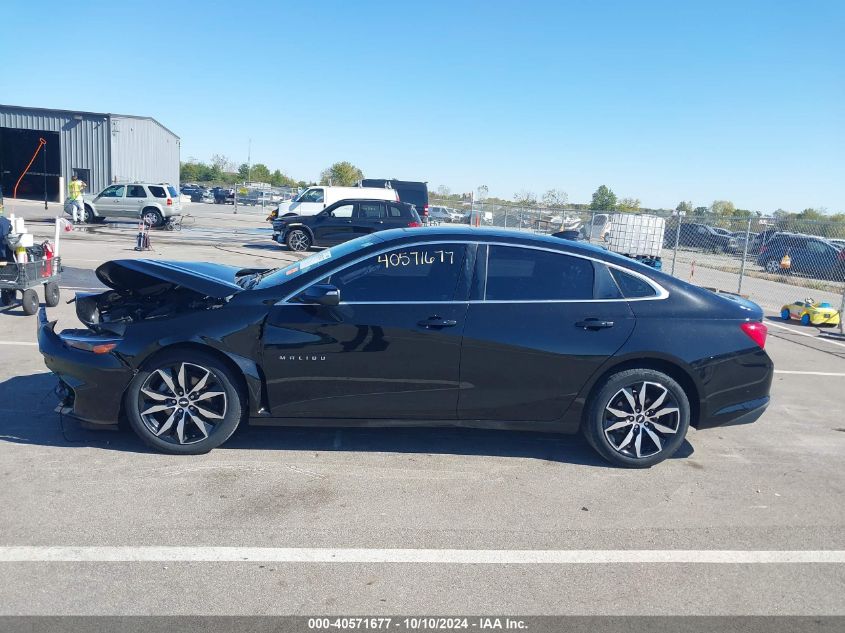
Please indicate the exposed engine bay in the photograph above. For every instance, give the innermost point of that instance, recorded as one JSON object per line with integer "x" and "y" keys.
{"x": 113, "y": 310}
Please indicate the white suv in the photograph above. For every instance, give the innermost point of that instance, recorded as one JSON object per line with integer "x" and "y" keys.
{"x": 155, "y": 203}
{"x": 314, "y": 199}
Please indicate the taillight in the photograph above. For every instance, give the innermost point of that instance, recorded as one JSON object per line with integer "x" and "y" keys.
{"x": 169, "y": 202}
{"x": 763, "y": 249}
{"x": 756, "y": 331}
{"x": 425, "y": 210}
{"x": 414, "y": 224}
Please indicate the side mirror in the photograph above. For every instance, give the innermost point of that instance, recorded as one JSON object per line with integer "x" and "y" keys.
{"x": 324, "y": 294}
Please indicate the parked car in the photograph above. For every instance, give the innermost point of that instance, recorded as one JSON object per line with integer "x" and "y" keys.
{"x": 189, "y": 189}
{"x": 202, "y": 195}
{"x": 410, "y": 191}
{"x": 314, "y": 199}
{"x": 441, "y": 214}
{"x": 344, "y": 220}
{"x": 699, "y": 236}
{"x": 155, "y": 203}
{"x": 740, "y": 237}
{"x": 808, "y": 255}
{"x": 840, "y": 244}
{"x": 224, "y": 195}
{"x": 437, "y": 326}
{"x": 761, "y": 239}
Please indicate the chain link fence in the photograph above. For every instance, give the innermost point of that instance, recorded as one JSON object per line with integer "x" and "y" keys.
{"x": 773, "y": 261}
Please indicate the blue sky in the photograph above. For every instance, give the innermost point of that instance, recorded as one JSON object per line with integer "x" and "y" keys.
{"x": 662, "y": 101}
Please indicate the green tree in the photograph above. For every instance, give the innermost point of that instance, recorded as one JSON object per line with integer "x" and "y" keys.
{"x": 628, "y": 205}
{"x": 724, "y": 208}
{"x": 243, "y": 172}
{"x": 684, "y": 207}
{"x": 603, "y": 199}
{"x": 525, "y": 198}
{"x": 555, "y": 198}
{"x": 341, "y": 174}
{"x": 481, "y": 193}
{"x": 700, "y": 211}
{"x": 259, "y": 173}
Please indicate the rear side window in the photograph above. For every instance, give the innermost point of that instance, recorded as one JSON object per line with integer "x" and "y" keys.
{"x": 158, "y": 192}
{"x": 632, "y": 287}
{"x": 370, "y": 210}
{"x": 524, "y": 274}
{"x": 136, "y": 191}
{"x": 395, "y": 211}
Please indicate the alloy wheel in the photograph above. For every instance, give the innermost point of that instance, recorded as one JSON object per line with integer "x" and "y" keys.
{"x": 298, "y": 241}
{"x": 182, "y": 403}
{"x": 773, "y": 266}
{"x": 640, "y": 419}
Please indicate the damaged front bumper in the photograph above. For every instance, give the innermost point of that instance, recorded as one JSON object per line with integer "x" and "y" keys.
{"x": 91, "y": 386}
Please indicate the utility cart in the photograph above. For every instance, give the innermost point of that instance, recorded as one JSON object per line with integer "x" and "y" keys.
{"x": 24, "y": 278}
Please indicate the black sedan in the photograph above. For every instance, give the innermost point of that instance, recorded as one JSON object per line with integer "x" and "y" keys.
{"x": 431, "y": 326}
{"x": 343, "y": 221}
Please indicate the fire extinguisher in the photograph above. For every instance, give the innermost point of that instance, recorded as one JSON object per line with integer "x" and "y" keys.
{"x": 48, "y": 256}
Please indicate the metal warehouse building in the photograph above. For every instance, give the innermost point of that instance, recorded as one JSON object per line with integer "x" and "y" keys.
{"x": 99, "y": 148}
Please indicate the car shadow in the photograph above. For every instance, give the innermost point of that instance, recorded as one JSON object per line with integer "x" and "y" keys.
{"x": 29, "y": 418}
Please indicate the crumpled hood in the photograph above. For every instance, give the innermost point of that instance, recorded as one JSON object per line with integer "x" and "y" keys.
{"x": 213, "y": 280}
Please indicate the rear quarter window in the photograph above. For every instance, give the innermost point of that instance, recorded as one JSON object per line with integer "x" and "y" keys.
{"x": 158, "y": 192}
{"x": 632, "y": 287}
{"x": 173, "y": 192}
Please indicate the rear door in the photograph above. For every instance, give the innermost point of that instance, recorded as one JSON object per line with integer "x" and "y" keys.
{"x": 389, "y": 350}
{"x": 136, "y": 199}
{"x": 541, "y": 323}
{"x": 370, "y": 217}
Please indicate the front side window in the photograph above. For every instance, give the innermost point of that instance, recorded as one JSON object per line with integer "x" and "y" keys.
{"x": 524, "y": 274}
{"x": 136, "y": 191}
{"x": 115, "y": 191}
{"x": 157, "y": 191}
{"x": 415, "y": 273}
{"x": 344, "y": 211}
{"x": 312, "y": 195}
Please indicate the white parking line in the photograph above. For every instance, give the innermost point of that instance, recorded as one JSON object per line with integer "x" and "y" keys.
{"x": 62, "y": 554}
{"x": 16, "y": 343}
{"x": 809, "y": 373}
{"x": 794, "y": 331}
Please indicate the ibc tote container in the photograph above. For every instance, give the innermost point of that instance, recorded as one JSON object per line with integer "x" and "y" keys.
{"x": 636, "y": 235}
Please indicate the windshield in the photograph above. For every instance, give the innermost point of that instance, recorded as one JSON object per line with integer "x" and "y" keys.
{"x": 305, "y": 265}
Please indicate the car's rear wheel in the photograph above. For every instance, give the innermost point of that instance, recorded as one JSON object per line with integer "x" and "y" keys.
{"x": 152, "y": 217}
{"x": 784, "y": 314}
{"x": 637, "y": 418}
{"x": 298, "y": 240}
{"x": 87, "y": 214}
{"x": 805, "y": 319}
{"x": 773, "y": 266}
{"x": 185, "y": 402}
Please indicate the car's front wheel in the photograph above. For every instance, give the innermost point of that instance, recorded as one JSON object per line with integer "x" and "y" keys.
{"x": 298, "y": 240}
{"x": 152, "y": 217}
{"x": 184, "y": 402}
{"x": 637, "y": 418}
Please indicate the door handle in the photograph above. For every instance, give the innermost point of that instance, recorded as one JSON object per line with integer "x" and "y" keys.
{"x": 593, "y": 324}
{"x": 437, "y": 322}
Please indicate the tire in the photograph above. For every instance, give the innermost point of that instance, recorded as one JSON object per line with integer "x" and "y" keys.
{"x": 805, "y": 319}
{"x": 7, "y": 297}
{"x": 784, "y": 314}
{"x": 773, "y": 266}
{"x": 181, "y": 426}
{"x": 619, "y": 445}
{"x": 152, "y": 216}
{"x": 298, "y": 240}
{"x": 29, "y": 301}
{"x": 52, "y": 294}
{"x": 87, "y": 214}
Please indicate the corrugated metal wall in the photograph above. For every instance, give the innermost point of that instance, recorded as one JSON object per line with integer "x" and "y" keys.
{"x": 143, "y": 150}
{"x": 84, "y": 142}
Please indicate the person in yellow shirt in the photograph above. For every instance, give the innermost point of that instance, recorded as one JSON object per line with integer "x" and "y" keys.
{"x": 74, "y": 196}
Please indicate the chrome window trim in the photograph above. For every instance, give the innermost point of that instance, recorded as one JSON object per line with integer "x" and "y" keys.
{"x": 660, "y": 292}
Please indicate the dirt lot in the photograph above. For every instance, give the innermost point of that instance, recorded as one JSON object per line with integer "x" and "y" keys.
{"x": 775, "y": 486}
